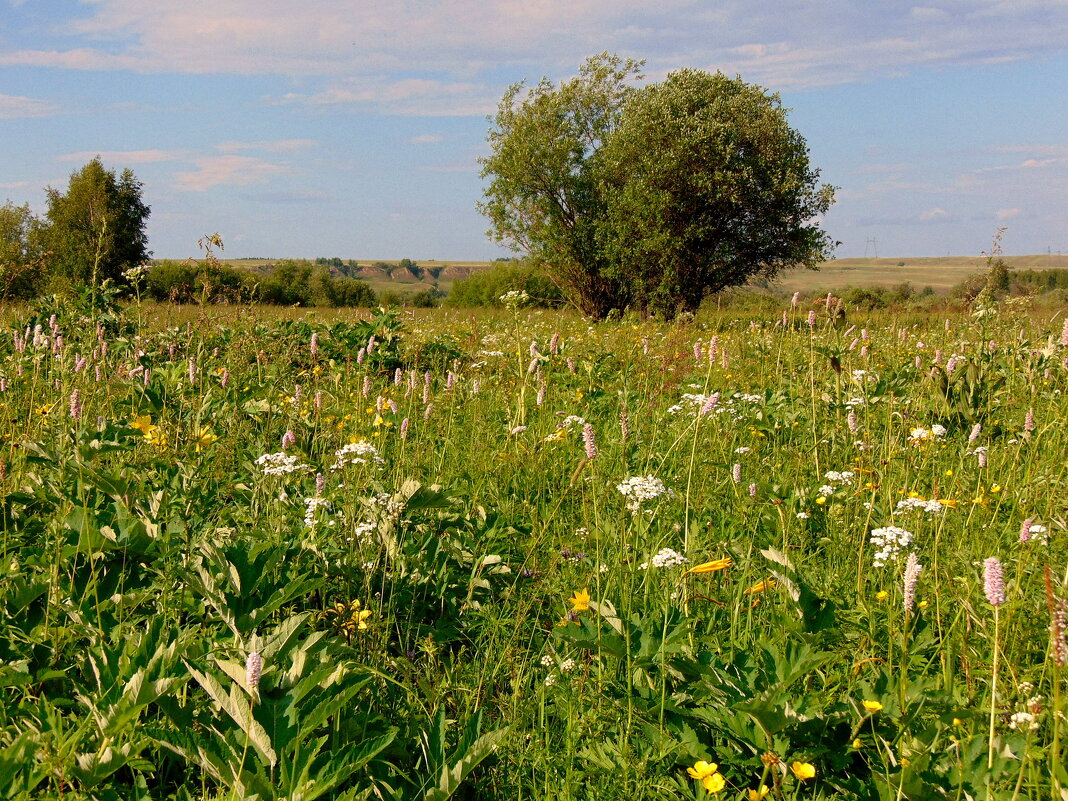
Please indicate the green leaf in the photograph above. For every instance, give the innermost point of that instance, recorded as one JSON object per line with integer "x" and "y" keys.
{"x": 237, "y": 707}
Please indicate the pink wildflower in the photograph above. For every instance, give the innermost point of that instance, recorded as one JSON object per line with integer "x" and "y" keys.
{"x": 993, "y": 581}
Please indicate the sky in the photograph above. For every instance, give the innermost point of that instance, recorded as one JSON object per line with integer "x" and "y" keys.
{"x": 353, "y": 128}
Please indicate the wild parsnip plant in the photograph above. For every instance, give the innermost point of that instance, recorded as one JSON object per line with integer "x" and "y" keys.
{"x": 516, "y": 556}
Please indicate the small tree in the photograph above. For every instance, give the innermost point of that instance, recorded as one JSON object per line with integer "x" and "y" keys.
{"x": 96, "y": 230}
{"x": 651, "y": 197}
{"x": 22, "y": 256}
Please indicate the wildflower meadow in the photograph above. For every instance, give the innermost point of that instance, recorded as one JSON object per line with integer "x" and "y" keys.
{"x": 509, "y": 554}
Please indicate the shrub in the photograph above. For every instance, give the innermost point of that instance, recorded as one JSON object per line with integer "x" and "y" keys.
{"x": 486, "y": 288}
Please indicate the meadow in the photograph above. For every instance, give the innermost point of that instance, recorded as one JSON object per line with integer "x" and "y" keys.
{"x": 510, "y": 554}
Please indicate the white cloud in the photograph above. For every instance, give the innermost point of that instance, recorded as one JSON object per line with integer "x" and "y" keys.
{"x": 933, "y": 215}
{"x": 404, "y": 96}
{"x": 15, "y": 107}
{"x": 126, "y": 156}
{"x": 228, "y": 170}
{"x": 1008, "y": 214}
{"x": 928, "y": 14}
{"x": 426, "y": 139}
{"x": 785, "y": 45}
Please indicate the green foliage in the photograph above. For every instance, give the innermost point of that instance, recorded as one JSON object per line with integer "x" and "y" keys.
{"x": 544, "y": 196}
{"x": 486, "y": 288}
{"x": 191, "y": 282}
{"x": 96, "y": 229}
{"x": 22, "y": 256}
{"x": 425, "y": 299}
{"x": 473, "y": 609}
{"x": 297, "y": 282}
{"x": 706, "y": 186}
{"x": 651, "y": 197}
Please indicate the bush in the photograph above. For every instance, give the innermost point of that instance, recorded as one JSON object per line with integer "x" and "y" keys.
{"x": 865, "y": 298}
{"x": 190, "y": 282}
{"x": 486, "y": 288}
{"x": 426, "y": 299}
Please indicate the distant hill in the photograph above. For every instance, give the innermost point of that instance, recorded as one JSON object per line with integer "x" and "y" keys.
{"x": 939, "y": 273}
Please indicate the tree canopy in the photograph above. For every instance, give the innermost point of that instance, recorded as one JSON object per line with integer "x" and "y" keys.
{"x": 21, "y": 252}
{"x": 96, "y": 230}
{"x": 651, "y": 197}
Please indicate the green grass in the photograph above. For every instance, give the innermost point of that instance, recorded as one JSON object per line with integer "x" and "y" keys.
{"x": 473, "y": 609}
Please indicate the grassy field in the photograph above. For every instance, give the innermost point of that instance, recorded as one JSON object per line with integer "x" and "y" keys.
{"x": 941, "y": 274}
{"x": 498, "y": 555}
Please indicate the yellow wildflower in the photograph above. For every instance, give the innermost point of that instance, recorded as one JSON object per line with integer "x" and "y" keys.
{"x": 714, "y": 783}
{"x": 711, "y": 567}
{"x": 882, "y": 595}
{"x": 348, "y": 617}
{"x": 143, "y": 423}
{"x": 756, "y": 795}
{"x": 708, "y": 774}
{"x": 760, "y": 586}
{"x": 580, "y": 601}
{"x": 873, "y": 706}
{"x": 702, "y": 769}
{"x": 803, "y": 770}
{"x": 203, "y": 438}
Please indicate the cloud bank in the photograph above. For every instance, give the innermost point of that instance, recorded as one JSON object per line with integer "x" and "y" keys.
{"x": 389, "y": 52}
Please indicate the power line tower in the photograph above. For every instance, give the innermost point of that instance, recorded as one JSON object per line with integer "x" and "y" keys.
{"x": 870, "y": 241}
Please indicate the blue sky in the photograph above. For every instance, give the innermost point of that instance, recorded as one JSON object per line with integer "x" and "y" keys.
{"x": 352, "y": 129}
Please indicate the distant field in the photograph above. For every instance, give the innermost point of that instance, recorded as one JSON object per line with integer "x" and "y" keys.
{"x": 941, "y": 274}
{"x": 402, "y": 281}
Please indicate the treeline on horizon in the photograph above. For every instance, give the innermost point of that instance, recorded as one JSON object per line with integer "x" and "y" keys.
{"x": 323, "y": 282}
{"x": 333, "y": 283}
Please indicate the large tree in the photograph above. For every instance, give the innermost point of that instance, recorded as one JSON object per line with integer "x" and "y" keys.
{"x": 545, "y": 197}
{"x": 96, "y": 230}
{"x": 652, "y": 197}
